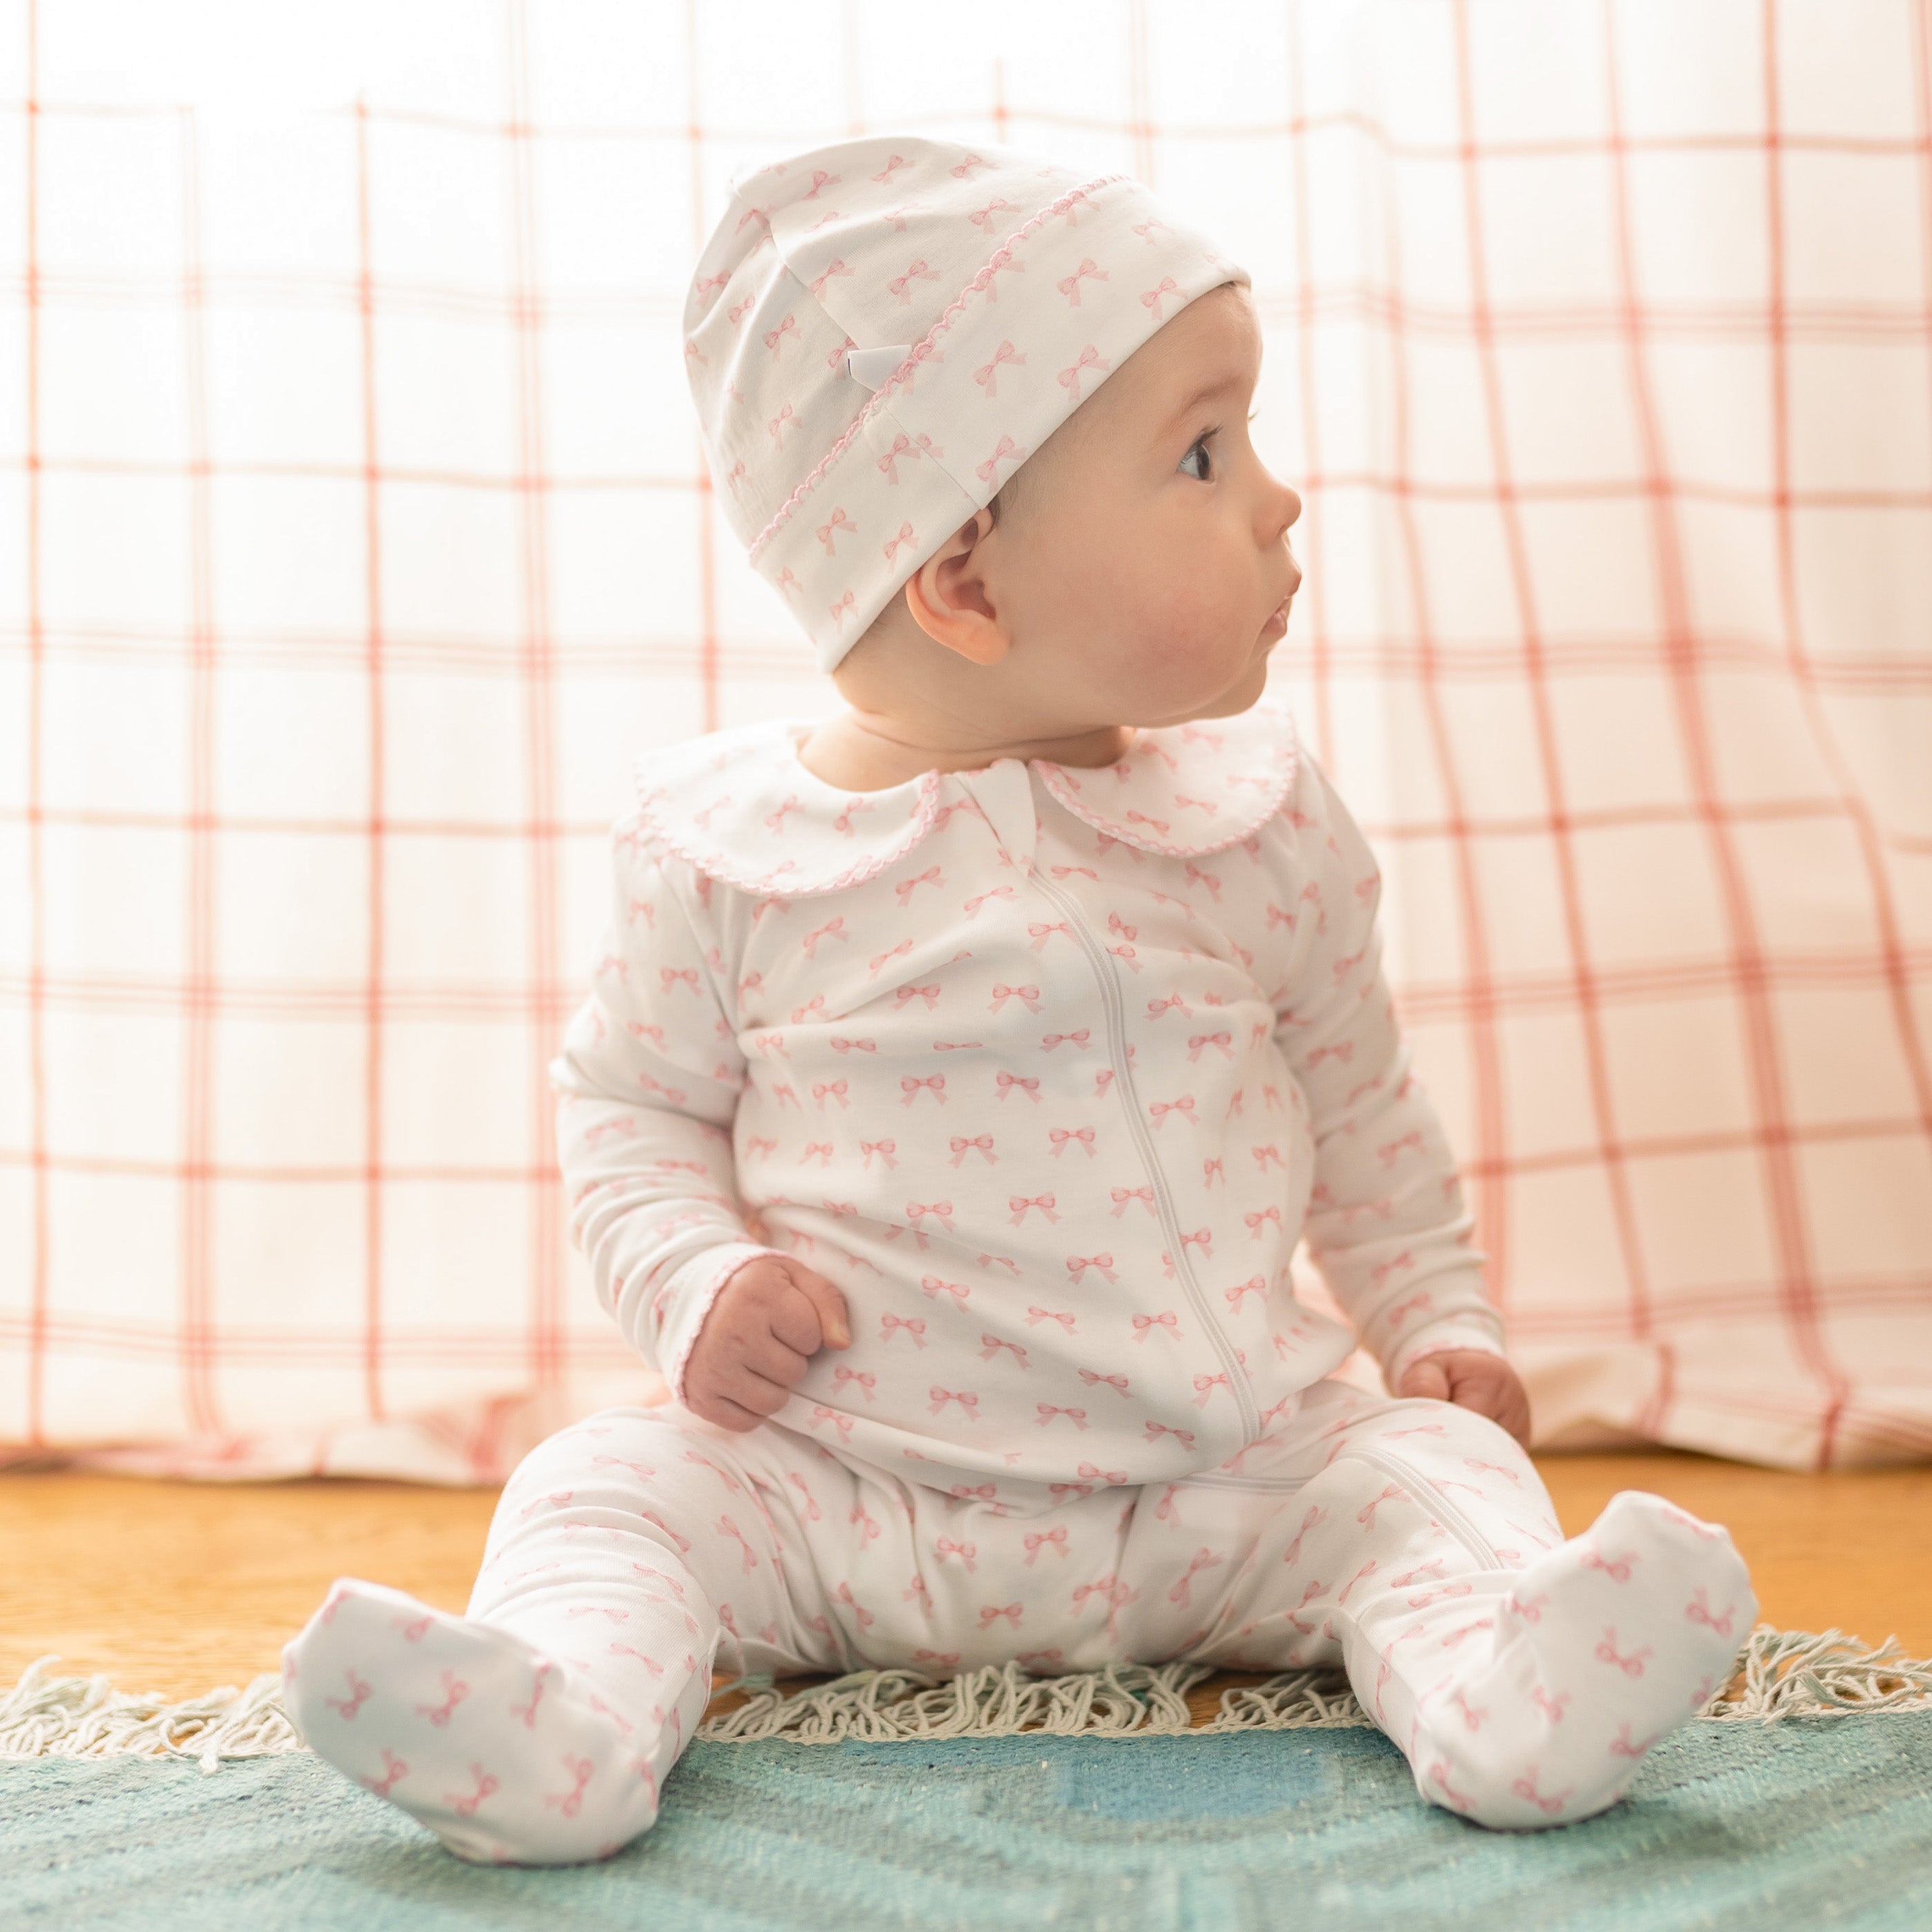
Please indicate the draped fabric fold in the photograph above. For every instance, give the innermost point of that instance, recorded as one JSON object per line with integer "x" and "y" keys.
{"x": 355, "y": 542}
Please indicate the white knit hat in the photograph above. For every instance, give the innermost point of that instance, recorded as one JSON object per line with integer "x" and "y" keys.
{"x": 881, "y": 332}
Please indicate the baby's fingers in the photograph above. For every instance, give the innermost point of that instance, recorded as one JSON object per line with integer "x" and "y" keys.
{"x": 814, "y": 1316}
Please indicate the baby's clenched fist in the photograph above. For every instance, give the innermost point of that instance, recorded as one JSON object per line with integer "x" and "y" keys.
{"x": 771, "y": 1316}
{"x": 1473, "y": 1379}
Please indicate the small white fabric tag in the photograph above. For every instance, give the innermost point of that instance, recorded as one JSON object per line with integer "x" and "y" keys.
{"x": 872, "y": 366}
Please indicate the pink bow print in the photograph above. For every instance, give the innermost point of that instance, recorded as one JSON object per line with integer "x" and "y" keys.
{"x": 1156, "y": 1430}
{"x": 917, "y": 1210}
{"x": 901, "y": 285}
{"x": 1204, "y": 1387}
{"x": 1007, "y": 1080}
{"x": 1093, "y": 1474}
{"x": 1051, "y": 1040}
{"x": 1090, "y": 357}
{"x": 1020, "y": 1203}
{"x": 1122, "y": 1195}
{"x": 887, "y": 1150}
{"x": 1077, "y": 1265}
{"x": 962, "y": 1146}
{"x": 1225, "y": 1041}
{"x": 979, "y": 899}
{"x": 834, "y": 267}
{"x": 1255, "y": 1220}
{"x": 902, "y": 445}
{"x": 1157, "y": 1007}
{"x": 1093, "y": 1378}
{"x": 843, "y": 1424}
{"x": 991, "y": 1613}
{"x": 935, "y": 1287}
{"x": 1049, "y": 1410}
{"x": 775, "y": 337}
{"x": 1035, "y": 1316}
{"x": 670, "y": 976}
{"x": 1028, "y": 996}
{"x": 1006, "y": 447}
{"x": 965, "y": 1398}
{"x": 965, "y": 1552}
{"x": 839, "y": 521}
{"x": 1151, "y": 298}
{"x": 988, "y": 376}
{"x": 776, "y": 425}
{"x": 1145, "y": 1324}
{"x": 864, "y": 1378}
{"x": 905, "y": 887}
{"x": 836, "y": 1088}
{"x": 1070, "y": 285}
{"x": 843, "y": 608}
{"x": 911, "y": 1083}
{"x": 911, "y": 1323}
{"x": 1160, "y": 1109}
{"x": 1037, "y": 1540}
{"x": 1042, "y": 931}
{"x": 905, "y": 536}
{"x": 1060, "y": 1136}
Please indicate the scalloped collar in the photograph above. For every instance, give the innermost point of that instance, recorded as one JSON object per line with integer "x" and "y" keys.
{"x": 739, "y": 805}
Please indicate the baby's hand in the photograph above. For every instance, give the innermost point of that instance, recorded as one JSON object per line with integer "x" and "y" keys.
{"x": 771, "y": 1315}
{"x": 1472, "y": 1379}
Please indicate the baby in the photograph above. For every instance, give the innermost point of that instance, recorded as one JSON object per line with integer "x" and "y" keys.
{"x": 959, "y": 1076}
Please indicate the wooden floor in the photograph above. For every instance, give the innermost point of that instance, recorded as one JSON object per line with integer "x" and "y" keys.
{"x": 177, "y": 1588}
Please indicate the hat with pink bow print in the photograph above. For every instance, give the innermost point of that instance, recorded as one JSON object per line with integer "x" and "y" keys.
{"x": 881, "y": 332}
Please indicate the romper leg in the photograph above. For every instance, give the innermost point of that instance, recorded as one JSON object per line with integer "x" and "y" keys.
{"x": 1524, "y": 1677}
{"x": 538, "y": 1729}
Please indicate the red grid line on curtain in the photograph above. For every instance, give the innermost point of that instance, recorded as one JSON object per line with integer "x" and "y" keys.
{"x": 1475, "y": 970}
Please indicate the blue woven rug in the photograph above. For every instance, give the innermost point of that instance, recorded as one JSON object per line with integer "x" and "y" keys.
{"x": 1805, "y": 1822}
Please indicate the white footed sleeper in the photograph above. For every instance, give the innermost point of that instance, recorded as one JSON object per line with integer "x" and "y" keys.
{"x": 1049, "y": 1071}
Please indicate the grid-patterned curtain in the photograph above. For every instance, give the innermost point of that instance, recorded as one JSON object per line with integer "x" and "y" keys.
{"x": 354, "y": 532}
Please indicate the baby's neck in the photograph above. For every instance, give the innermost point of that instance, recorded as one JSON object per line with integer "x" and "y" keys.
{"x": 868, "y": 751}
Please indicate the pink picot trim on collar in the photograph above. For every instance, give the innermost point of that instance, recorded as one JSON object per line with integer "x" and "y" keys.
{"x": 730, "y": 802}
{"x": 921, "y": 351}
{"x": 1218, "y": 780}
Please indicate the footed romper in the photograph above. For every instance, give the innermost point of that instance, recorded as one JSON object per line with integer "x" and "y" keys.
{"x": 1410, "y": 1542}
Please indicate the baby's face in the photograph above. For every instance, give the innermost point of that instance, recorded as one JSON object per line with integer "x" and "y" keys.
{"x": 1148, "y": 575}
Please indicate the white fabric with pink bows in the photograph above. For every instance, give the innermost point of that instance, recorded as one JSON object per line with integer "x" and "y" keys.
{"x": 1049, "y": 1070}
{"x": 879, "y": 332}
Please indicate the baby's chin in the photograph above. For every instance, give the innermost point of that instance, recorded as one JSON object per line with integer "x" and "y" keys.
{"x": 1243, "y": 694}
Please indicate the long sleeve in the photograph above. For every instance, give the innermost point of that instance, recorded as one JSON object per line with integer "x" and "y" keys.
{"x": 648, "y": 1078}
{"x": 1386, "y": 1226}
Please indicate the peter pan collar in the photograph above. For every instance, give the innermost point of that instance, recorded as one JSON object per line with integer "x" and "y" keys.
{"x": 739, "y": 805}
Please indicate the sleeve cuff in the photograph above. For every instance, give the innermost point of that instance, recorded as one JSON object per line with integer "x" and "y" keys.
{"x": 1475, "y": 1332}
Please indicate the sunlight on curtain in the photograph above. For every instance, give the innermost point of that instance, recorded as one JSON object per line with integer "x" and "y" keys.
{"x": 355, "y": 534}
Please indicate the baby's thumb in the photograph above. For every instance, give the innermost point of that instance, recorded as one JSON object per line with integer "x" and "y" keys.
{"x": 835, "y": 1328}
{"x": 1426, "y": 1378}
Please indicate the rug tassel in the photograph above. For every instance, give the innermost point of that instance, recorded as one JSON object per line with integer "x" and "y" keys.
{"x": 1777, "y": 1674}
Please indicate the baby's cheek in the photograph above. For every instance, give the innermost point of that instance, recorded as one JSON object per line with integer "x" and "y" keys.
{"x": 1180, "y": 649}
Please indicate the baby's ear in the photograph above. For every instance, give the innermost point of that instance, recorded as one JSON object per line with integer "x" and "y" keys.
{"x": 948, "y": 599}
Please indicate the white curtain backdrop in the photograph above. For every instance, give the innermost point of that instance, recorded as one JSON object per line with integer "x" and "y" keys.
{"x": 354, "y": 532}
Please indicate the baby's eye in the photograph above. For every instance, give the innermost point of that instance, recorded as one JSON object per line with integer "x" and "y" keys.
{"x": 1200, "y": 442}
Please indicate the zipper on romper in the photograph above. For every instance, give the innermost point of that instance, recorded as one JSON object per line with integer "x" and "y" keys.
{"x": 1105, "y": 971}
{"x": 1478, "y": 1545}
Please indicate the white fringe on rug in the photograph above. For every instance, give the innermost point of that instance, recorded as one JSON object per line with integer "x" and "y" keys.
{"x": 1778, "y": 1674}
